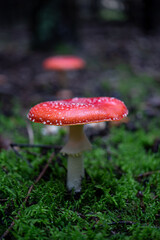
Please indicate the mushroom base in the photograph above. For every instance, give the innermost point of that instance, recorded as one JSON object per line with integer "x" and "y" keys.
{"x": 75, "y": 172}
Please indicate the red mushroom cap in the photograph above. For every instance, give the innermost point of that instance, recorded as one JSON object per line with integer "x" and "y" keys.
{"x": 63, "y": 63}
{"x": 78, "y": 111}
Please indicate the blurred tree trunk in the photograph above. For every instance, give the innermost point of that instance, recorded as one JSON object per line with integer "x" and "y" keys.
{"x": 152, "y": 15}
{"x": 144, "y": 13}
{"x": 53, "y": 21}
{"x": 14, "y": 12}
{"x": 95, "y": 9}
{"x": 135, "y": 11}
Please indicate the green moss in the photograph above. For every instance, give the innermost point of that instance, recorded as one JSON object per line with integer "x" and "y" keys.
{"x": 108, "y": 199}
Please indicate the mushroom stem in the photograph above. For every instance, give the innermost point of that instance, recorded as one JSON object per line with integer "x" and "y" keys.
{"x": 75, "y": 172}
{"x": 77, "y": 143}
{"x": 62, "y": 78}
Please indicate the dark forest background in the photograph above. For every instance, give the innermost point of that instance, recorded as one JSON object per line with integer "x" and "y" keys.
{"x": 51, "y": 21}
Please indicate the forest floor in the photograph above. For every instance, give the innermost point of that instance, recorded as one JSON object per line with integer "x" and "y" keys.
{"x": 120, "y": 196}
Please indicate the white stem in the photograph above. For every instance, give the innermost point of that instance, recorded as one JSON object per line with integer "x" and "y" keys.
{"x": 75, "y": 172}
{"x": 77, "y": 143}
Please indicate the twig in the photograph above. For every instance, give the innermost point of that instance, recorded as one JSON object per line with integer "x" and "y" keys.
{"x": 4, "y": 200}
{"x": 20, "y": 156}
{"x": 23, "y": 145}
{"x": 26, "y": 145}
{"x": 16, "y": 152}
{"x": 155, "y": 197}
{"x": 32, "y": 153}
{"x": 122, "y": 222}
{"x": 147, "y": 174}
{"x": 28, "y": 194}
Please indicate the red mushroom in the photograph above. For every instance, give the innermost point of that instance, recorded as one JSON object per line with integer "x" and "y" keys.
{"x": 75, "y": 113}
{"x": 61, "y": 64}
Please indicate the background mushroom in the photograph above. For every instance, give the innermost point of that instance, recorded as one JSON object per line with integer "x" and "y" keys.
{"x": 62, "y": 64}
{"x": 75, "y": 113}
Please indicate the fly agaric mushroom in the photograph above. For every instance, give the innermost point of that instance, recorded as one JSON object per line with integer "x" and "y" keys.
{"x": 61, "y": 64}
{"x": 75, "y": 113}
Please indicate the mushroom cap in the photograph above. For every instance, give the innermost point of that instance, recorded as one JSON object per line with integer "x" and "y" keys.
{"x": 61, "y": 63}
{"x": 78, "y": 111}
